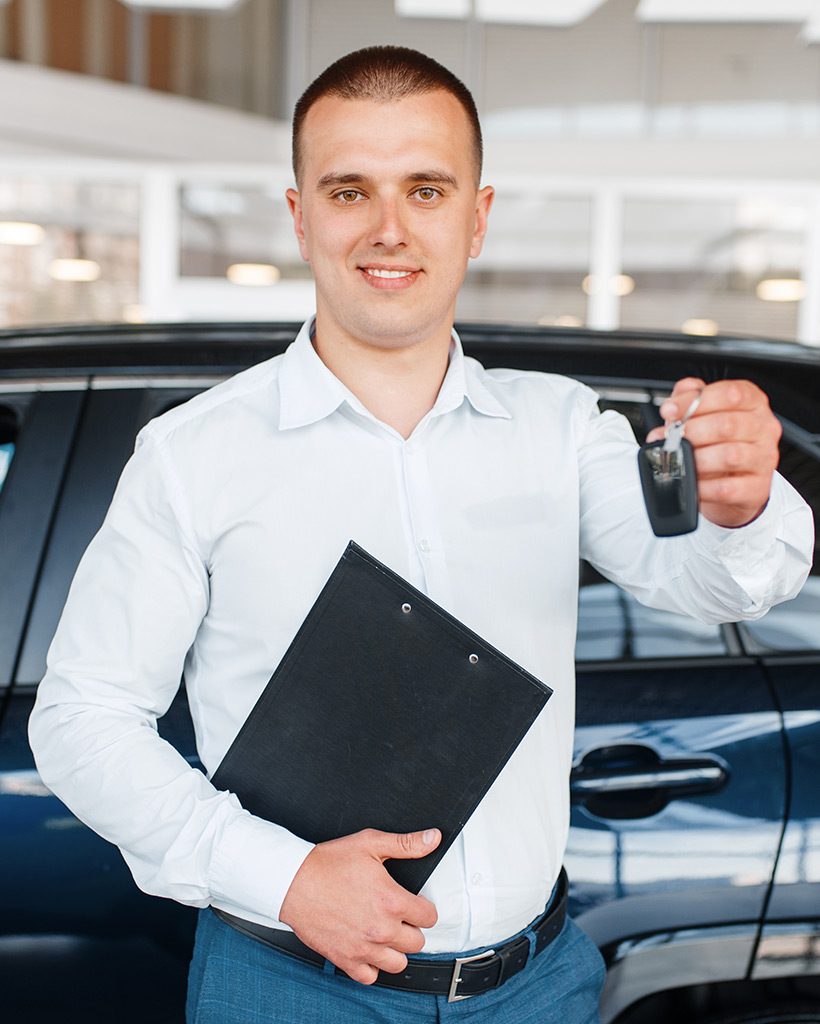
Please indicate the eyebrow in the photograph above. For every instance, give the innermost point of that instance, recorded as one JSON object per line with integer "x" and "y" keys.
{"x": 432, "y": 177}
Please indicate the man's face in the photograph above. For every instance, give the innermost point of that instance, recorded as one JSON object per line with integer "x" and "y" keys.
{"x": 388, "y": 214}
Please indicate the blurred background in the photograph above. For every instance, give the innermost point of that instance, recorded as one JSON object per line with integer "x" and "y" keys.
{"x": 656, "y": 162}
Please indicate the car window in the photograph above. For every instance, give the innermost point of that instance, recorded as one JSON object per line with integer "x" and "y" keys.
{"x": 8, "y": 435}
{"x": 794, "y": 625}
{"x": 791, "y": 626}
{"x": 104, "y": 440}
{"x": 6, "y": 452}
{"x": 613, "y": 625}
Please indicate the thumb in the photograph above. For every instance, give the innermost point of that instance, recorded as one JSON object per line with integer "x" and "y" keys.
{"x": 406, "y": 845}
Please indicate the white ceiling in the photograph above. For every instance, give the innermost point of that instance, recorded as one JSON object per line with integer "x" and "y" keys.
{"x": 566, "y": 13}
{"x": 58, "y": 112}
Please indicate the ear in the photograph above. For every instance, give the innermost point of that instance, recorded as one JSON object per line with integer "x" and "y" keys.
{"x": 295, "y": 204}
{"x": 484, "y": 200}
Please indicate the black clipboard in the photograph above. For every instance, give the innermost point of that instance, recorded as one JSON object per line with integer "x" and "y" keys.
{"x": 386, "y": 712}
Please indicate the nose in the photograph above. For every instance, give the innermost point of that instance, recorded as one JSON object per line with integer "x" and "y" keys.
{"x": 389, "y": 227}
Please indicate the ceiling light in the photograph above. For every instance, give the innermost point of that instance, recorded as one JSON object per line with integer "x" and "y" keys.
{"x": 134, "y": 313}
{"x": 74, "y": 270}
{"x": 622, "y": 284}
{"x": 13, "y": 232}
{"x": 253, "y": 274}
{"x": 433, "y": 8}
{"x": 536, "y": 12}
{"x": 506, "y": 12}
{"x": 703, "y": 327}
{"x": 202, "y": 6}
{"x": 781, "y": 289}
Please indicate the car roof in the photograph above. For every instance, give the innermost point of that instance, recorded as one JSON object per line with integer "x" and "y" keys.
{"x": 787, "y": 371}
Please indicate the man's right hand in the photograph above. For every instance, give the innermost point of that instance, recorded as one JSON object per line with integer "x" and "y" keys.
{"x": 344, "y": 904}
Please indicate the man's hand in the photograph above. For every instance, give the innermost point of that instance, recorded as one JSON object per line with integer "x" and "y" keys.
{"x": 345, "y": 905}
{"x": 735, "y": 436}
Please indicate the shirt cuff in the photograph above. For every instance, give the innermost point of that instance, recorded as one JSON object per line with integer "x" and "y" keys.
{"x": 755, "y": 555}
{"x": 253, "y": 867}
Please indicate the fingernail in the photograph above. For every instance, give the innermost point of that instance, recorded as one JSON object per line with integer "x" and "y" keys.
{"x": 669, "y": 411}
{"x": 429, "y": 836}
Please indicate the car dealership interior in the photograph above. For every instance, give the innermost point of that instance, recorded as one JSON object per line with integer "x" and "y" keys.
{"x": 656, "y": 161}
{"x": 656, "y": 218}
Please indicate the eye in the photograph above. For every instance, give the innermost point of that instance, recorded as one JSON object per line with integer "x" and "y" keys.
{"x": 427, "y": 193}
{"x": 348, "y": 196}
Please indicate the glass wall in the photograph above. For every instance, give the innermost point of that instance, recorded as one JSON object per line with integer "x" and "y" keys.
{"x": 115, "y": 242}
{"x": 69, "y": 249}
{"x": 703, "y": 265}
{"x": 535, "y": 258}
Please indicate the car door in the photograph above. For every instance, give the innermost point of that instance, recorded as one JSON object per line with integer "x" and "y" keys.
{"x": 70, "y": 910}
{"x": 679, "y": 789}
{"x": 787, "y": 643}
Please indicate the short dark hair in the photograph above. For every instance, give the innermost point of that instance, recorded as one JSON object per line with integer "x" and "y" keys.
{"x": 384, "y": 73}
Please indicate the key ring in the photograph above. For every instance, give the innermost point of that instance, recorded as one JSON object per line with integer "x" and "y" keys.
{"x": 674, "y": 432}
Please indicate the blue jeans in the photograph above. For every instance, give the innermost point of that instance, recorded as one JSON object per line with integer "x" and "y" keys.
{"x": 236, "y": 980}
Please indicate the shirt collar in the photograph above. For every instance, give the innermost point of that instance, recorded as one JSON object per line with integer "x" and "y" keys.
{"x": 309, "y": 392}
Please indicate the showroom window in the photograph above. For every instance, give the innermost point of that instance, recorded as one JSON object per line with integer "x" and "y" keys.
{"x": 705, "y": 265}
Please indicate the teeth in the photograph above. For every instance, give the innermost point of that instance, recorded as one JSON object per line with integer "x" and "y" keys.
{"x": 389, "y": 273}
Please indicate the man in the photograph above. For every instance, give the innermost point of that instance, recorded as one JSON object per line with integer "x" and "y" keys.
{"x": 479, "y": 487}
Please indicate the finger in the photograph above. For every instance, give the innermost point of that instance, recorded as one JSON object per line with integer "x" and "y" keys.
{"x": 420, "y": 913}
{"x": 721, "y": 396}
{"x": 391, "y": 960}
{"x": 410, "y": 940}
{"x": 734, "y": 459}
{"x": 679, "y": 402}
{"x": 758, "y": 428}
{"x": 390, "y": 957}
{"x": 365, "y": 974}
{"x": 403, "y": 845}
{"x": 687, "y": 384}
{"x": 683, "y": 394}
{"x": 732, "y": 500}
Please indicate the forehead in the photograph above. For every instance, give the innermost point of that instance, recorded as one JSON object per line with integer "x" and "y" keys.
{"x": 340, "y": 135}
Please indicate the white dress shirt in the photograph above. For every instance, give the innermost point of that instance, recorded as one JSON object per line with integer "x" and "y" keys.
{"x": 225, "y": 525}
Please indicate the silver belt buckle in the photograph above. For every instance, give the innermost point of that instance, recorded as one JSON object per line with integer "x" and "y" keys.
{"x": 454, "y": 982}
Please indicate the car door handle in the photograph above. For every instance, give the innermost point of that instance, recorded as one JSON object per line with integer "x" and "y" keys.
{"x": 669, "y": 775}
{"x": 631, "y": 780}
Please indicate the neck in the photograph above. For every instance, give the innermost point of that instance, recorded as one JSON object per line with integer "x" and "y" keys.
{"x": 399, "y": 386}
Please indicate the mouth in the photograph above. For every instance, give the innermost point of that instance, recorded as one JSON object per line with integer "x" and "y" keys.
{"x": 389, "y": 278}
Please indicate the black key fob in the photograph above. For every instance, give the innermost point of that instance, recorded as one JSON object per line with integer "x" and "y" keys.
{"x": 670, "y": 487}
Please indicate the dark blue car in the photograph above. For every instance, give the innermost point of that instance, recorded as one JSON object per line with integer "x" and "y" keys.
{"x": 694, "y": 853}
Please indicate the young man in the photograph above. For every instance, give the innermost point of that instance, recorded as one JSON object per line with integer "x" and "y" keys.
{"x": 481, "y": 488}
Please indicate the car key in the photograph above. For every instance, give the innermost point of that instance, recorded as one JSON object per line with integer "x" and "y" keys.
{"x": 670, "y": 482}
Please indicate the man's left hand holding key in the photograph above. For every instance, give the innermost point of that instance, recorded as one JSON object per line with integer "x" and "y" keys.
{"x": 735, "y": 436}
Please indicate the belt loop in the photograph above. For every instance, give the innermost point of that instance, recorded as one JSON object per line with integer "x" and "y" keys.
{"x": 531, "y": 936}
{"x": 514, "y": 957}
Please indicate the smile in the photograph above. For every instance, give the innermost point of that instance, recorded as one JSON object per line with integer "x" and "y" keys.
{"x": 375, "y": 272}
{"x": 388, "y": 279}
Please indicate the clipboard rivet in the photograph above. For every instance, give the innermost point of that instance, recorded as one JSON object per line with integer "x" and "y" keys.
{"x": 405, "y": 607}
{"x": 473, "y": 659}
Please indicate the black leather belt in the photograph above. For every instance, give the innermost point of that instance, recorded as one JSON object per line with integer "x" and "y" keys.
{"x": 459, "y": 978}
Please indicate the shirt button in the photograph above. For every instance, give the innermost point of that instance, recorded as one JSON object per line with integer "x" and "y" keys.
{"x": 409, "y": 449}
{"x": 477, "y": 878}
{"x": 425, "y": 545}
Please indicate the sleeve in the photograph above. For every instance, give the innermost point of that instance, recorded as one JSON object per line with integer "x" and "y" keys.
{"x": 133, "y": 611}
{"x": 714, "y": 574}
